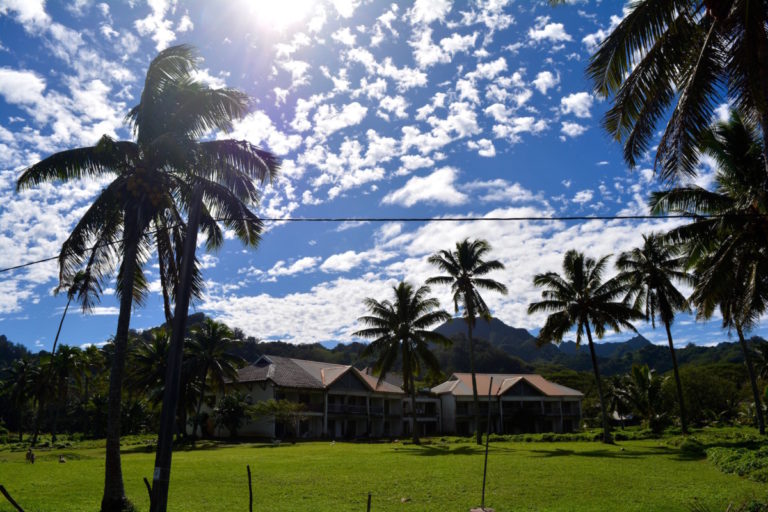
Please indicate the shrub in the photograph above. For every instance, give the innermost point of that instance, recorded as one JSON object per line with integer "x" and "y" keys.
{"x": 750, "y": 463}
{"x": 693, "y": 448}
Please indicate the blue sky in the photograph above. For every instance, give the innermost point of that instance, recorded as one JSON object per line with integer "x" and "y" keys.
{"x": 424, "y": 109}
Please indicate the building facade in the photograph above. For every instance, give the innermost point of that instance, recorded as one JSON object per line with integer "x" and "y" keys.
{"x": 519, "y": 403}
{"x": 342, "y": 402}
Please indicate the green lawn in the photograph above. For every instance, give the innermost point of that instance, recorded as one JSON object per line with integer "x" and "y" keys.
{"x": 633, "y": 475}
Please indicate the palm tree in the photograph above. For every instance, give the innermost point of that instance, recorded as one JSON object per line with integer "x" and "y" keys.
{"x": 642, "y": 391}
{"x": 18, "y": 384}
{"x": 149, "y": 365}
{"x": 688, "y": 56}
{"x": 64, "y": 367}
{"x": 464, "y": 269}
{"x": 164, "y": 171}
{"x": 401, "y": 328}
{"x": 209, "y": 357}
{"x": 580, "y": 298}
{"x": 218, "y": 183}
{"x": 649, "y": 272}
{"x": 726, "y": 243}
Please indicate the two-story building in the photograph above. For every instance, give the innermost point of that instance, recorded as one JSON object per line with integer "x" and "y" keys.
{"x": 339, "y": 401}
{"x": 519, "y": 403}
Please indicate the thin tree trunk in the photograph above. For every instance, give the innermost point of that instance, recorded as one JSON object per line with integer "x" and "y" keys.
{"x": 753, "y": 382}
{"x": 606, "y": 432}
{"x": 114, "y": 499}
{"x": 475, "y": 399}
{"x": 678, "y": 383}
{"x": 162, "y": 473}
{"x": 53, "y": 358}
{"x": 413, "y": 410}
{"x": 199, "y": 406}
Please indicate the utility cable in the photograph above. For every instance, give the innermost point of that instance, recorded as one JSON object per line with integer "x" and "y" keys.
{"x": 563, "y": 218}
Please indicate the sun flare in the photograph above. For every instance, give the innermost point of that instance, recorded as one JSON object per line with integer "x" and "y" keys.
{"x": 281, "y": 14}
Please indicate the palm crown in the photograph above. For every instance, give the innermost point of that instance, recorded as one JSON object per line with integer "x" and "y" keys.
{"x": 685, "y": 54}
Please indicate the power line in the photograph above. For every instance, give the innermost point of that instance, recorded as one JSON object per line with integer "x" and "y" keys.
{"x": 564, "y": 218}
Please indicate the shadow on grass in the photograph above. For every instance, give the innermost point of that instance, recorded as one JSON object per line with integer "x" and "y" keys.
{"x": 604, "y": 453}
{"x": 437, "y": 450}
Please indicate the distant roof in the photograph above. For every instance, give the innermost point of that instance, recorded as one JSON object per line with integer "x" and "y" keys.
{"x": 300, "y": 373}
{"x": 460, "y": 384}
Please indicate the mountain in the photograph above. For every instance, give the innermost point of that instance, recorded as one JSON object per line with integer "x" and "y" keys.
{"x": 613, "y": 358}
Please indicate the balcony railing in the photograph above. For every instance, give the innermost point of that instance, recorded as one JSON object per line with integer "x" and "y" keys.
{"x": 361, "y": 410}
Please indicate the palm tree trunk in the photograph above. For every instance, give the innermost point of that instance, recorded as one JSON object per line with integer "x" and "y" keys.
{"x": 752, "y": 381}
{"x": 603, "y": 411}
{"x": 678, "y": 383}
{"x": 162, "y": 473}
{"x": 413, "y": 410}
{"x": 36, "y": 422}
{"x": 114, "y": 498}
{"x": 199, "y": 406}
{"x": 53, "y": 357}
{"x": 475, "y": 399}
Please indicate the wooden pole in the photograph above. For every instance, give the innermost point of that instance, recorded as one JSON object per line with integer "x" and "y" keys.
{"x": 10, "y": 500}
{"x": 487, "y": 439}
{"x": 369, "y": 502}
{"x": 250, "y": 490}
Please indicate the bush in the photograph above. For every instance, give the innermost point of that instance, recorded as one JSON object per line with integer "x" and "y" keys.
{"x": 746, "y": 462}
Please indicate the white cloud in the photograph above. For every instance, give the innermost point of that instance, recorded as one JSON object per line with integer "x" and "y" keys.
{"x": 545, "y": 80}
{"x": 484, "y": 147}
{"x": 344, "y": 36}
{"x": 348, "y": 260}
{"x": 329, "y": 119}
{"x": 438, "y": 187}
{"x": 30, "y": 13}
{"x": 583, "y": 196}
{"x": 156, "y": 25}
{"x": 572, "y": 129}
{"x": 543, "y": 30}
{"x": 577, "y": 104}
{"x": 427, "y": 11}
{"x": 345, "y": 8}
{"x": 299, "y": 266}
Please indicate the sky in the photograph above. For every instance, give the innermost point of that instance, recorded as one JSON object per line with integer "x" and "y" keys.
{"x": 378, "y": 109}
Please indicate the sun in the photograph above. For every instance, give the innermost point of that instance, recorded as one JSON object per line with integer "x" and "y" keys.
{"x": 280, "y": 14}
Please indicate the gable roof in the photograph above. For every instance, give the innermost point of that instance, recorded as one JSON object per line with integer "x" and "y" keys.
{"x": 301, "y": 373}
{"x": 460, "y": 384}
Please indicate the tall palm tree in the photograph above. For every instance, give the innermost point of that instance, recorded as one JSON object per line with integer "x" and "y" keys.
{"x": 688, "y": 56}
{"x": 726, "y": 244}
{"x": 401, "y": 328}
{"x": 649, "y": 272}
{"x": 163, "y": 172}
{"x": 208, "y": 352}
{"x": 218, "y": 184}
{"x": 464, "y": 269}
{"x": 580, "y": 298}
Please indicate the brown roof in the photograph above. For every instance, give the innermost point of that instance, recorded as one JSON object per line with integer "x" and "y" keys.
{"x": 460, "y": 384}
{"x": 300, "y": 373}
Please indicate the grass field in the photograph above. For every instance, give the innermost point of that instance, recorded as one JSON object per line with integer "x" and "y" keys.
{"x": 644, "y": 475}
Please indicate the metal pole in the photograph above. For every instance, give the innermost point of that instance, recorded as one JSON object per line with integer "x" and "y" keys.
{"x": 250, "y": 489}
{"x": 487, "y": 438}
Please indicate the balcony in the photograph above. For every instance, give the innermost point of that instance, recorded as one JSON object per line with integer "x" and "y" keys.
{"x": 356, "y": 410}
